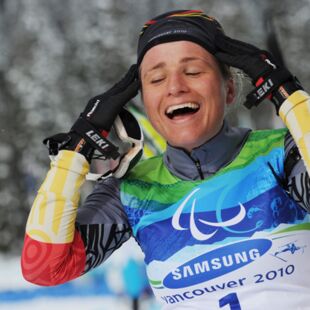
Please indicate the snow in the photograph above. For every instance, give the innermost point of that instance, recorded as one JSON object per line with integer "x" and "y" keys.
{"x": 103, "y": 288}
{"x": 90, "y": 303}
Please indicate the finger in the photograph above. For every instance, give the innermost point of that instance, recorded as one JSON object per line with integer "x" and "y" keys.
{"x": 237, "y": 61}
{"x": 129, "y": 78}
{"x": 122, "y": 97}
{"x": 254, "y": 67}
{"x": 234, "y": 47}
{"x": 108, "y": 106}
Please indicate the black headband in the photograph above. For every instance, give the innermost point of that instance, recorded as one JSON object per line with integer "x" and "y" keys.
{"x": 172, "y": 26}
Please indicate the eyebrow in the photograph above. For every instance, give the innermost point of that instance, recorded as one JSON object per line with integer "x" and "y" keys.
{"x": 187, "y": 59}
{"x": 162, "y": 64}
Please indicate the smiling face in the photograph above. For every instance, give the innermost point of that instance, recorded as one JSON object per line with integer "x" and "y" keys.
{"x": 184, "y": 93}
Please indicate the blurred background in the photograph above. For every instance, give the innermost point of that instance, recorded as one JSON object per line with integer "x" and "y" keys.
{"x": 54, "y": 56}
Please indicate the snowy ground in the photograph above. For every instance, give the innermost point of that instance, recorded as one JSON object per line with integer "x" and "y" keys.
{"x": 103, "y": 289}
{"x": 89, "y": 303}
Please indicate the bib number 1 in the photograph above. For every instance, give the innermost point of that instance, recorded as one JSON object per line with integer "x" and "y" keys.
{"x": 231, "y": 300}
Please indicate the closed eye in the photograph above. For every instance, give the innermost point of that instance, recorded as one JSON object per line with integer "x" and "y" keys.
{"x": 193, "y": 73}
{"x": 155, "y": 81}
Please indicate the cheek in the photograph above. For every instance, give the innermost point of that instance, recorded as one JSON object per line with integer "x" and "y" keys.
{"x": 147, "y": 102}
{"x": 151, "y": 100}
{"x": 218, "y": 91}
{"x": 153, "y": 114}
{"x": 150, "y": 107}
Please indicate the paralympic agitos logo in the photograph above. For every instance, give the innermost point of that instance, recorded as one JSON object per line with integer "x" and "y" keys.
{"x": 217, "y": 263}
{"x": 192, "y": 227}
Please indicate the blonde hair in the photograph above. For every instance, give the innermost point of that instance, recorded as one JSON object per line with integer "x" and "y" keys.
{"x": 242, "y": 85}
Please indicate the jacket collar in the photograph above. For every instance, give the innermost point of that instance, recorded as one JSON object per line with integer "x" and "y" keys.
{"x": 211, "y": 156}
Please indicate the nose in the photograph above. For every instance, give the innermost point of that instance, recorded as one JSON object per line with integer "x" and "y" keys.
{"x": 176, "y": 85}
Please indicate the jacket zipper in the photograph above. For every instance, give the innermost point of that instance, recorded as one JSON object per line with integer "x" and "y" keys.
{"x": 198, "y": 166}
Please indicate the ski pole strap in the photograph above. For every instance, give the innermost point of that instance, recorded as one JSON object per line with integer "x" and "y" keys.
{"x": 95, "y": 138}
{"x": 265, "y": 86}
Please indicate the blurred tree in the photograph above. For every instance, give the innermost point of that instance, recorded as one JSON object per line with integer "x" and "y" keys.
{"x": 13, "y": 137}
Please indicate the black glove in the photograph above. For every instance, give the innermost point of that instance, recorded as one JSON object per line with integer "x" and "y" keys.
{"x": 271, "y": 80}
{"x": 102, "y": 110}
{"x": 91, "y": 128}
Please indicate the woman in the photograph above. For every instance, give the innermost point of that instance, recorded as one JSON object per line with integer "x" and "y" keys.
{"x": 220, "y": 216}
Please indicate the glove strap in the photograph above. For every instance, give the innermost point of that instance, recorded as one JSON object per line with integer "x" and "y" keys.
{"x": 68, "y": 141}
{"x": 266, "y": 86}
{"x": 94, "y": 137}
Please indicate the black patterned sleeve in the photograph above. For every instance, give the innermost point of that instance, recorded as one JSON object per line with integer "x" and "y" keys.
{"x": 102, "y": 223}
{"x": 298, "y": 182}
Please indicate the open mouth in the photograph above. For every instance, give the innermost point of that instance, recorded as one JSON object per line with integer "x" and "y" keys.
{"x": 182, "y": 109}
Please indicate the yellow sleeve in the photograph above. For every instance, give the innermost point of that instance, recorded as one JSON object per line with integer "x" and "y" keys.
{"x": 53, "y": 213}
{"x": 295, "y": 113}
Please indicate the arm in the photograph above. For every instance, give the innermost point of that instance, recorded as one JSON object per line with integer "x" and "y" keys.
{"x": 295, "y": 113}
{"x": 53, "y": 250}
{"x": 57, "y": 246}
{"x": 297, "y": 178}
{"x": 63, "y": 242}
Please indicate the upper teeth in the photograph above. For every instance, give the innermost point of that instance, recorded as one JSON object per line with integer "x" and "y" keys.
{"x": 190, "y": 105}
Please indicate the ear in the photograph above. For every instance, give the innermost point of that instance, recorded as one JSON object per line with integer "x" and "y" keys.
{"x": 230, "y": 91}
